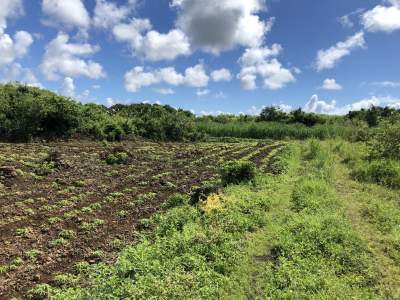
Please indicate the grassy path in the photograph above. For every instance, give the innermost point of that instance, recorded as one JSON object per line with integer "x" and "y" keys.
{"x": 326, "y": 237}
{"x": 247, "y": 282}
{"x": 358, "y": 198}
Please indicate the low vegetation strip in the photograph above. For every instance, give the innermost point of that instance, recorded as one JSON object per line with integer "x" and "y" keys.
{"x": 325, "y": 237}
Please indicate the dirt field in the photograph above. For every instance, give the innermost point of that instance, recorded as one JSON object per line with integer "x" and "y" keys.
{"x": 71, "y": 206}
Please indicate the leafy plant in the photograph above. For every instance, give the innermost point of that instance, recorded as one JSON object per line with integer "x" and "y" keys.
{"x": 236, "y": 172}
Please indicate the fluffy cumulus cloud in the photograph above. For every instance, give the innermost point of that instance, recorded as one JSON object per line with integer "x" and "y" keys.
{"x": 382, "y": 18}
{"x": 331, "y": 84}
{"x": 327, "y": 59}
{"x": 159, "y": 46}
{"x": 68, "y": 87}
{"x": 12, "y": 48}
{"x": 138, "y": 77}
{"x": 9, "y": 8}
{"x": 221, "y": 75}
{"x": 220, "y": 25}
{"x": 16, "y": 72}
{"x": 263, "y": 62}
{"x": 108, "y": 14}
{"x": 196, "y": 76}
{"x": 320, "y": 106}
{"x": 62, "y": 58}
{"x": 65, "y": 14}
{"x": 149, "y": 43}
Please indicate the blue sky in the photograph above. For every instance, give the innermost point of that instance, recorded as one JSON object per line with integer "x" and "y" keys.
{"x": 205, "y": 55}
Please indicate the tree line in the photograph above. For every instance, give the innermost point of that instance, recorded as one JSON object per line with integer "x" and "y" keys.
{"x": 27, "y": 113}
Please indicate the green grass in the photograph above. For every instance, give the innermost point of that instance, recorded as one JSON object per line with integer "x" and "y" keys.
{"x": 273, "y": 130}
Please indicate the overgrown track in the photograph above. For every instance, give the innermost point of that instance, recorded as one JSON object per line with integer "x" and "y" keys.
{"x": 87, "y": 206}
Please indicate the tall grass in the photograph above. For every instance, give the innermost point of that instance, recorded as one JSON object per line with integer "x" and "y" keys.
{"x": 273, "y": 130}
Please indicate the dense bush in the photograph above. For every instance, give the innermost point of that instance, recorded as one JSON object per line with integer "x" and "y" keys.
{"x": 28, "y": 112}
{"x": 235, "y": 172}
{"x": 272, "y": 114}
{"x": 374, "y": 115}
{"x": 385, "y": 142}
{"x": 383, "y": 172}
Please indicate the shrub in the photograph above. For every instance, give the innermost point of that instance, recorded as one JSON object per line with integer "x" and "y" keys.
{"x": 272, "y": 114}
{"x": 176, "y": 200}
{"x": 236, "y": 172}
{"x": 117, "y": 158}
{"x": 383, "y": 172}
{"x": 385, "y": 141}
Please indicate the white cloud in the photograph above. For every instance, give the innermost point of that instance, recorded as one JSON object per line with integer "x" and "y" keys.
{"x": 15, "y": 72}
{"x": 221, "y": 75}
{"x": 327, "y": 59}
{"x": 14, "y": 48}
{"x": 108, "y": 14}
{"x": 165, "y": 91}
{"x": 196, "y": 76}
{"x": 285, "y": 107}
{"x": 347, "y": 21}
{"x": 132, "y": 32}
{"x": 137, "y": 78}
{"x": 68, "y": 87}
{"x": 387, "y": 84}
{"x": 110, "y": 102}
{"x": 320, "y": 106}
{"x": 9, "y": 8}
{"x": 254, "y": 110}
{"x": 157, "y": 46}
{"x": 382, "y": 18}
{"x": 170, "y": 76}
{"x": 62, "y": 58}
{"x": 151, "y": 44}
{"x": 262, "y": 62}
{"x": 331, "y": 84}
{"x": 202, "y": 93}
{"x": 316, "y": 105}
{"x": 220, "y": 25}
{"x": 214, "y": 113}
{"x": 85, "y": 97}
{"x": 65, "y": 14}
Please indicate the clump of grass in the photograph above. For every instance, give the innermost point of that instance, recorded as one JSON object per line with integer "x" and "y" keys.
{"x": 175, "y": 201}
{"x": 39, "y": 292}
{"x": 117, "y": 158}
{"x": 236, "y": 172}
{"x": 117, "y": 155}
